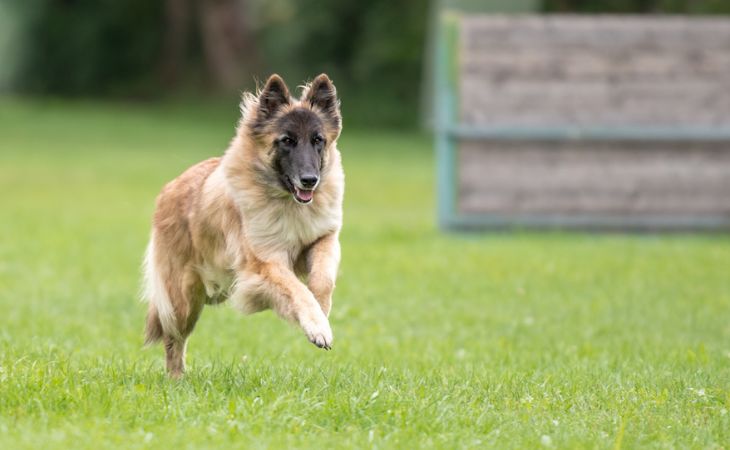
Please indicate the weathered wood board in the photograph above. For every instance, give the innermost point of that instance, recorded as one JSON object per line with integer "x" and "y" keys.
{"x": 590, "y": 71}
{"x": 600, "y": 178}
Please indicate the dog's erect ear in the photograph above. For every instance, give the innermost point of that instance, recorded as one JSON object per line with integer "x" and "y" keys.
{"x": 273, "y": 96}
{"x": 322, "y": 94}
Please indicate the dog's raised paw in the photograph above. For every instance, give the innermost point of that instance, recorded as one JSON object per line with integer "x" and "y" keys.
{"x": 321, "y": 338}
{"x": 319, "y": 334}
{"x": 321, "y": 342}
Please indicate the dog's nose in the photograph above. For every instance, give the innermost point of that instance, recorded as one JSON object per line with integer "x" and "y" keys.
{"x": 308, "y": 181}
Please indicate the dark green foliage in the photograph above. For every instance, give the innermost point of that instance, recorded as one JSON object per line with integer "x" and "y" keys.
{"x": 639, "y": 6}
{"x": 373, "y": 51}
{"x": 89, "y": 46}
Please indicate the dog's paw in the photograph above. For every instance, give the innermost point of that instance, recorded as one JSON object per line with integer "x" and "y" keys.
{"x": 318, "y": 331}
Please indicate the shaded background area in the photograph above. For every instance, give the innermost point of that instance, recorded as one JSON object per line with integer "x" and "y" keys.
{"x": 376, "y": 51}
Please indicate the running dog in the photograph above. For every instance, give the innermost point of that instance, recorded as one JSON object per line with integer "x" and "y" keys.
{"x": 258, "y": 226}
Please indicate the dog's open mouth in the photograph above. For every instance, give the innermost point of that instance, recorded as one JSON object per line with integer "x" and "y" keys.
{"x": 303, "y": 195}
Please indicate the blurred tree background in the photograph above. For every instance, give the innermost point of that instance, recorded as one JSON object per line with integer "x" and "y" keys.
{"x": 147, "y": 49}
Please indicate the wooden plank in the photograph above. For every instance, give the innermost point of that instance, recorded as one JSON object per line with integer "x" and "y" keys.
{"x": 515, "y": 179}
{"x": 598, "y": 31}
{"x": 606, "y": 70}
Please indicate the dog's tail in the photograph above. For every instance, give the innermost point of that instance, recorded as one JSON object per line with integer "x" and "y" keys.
{"x": 153, "y": 326}
{"x": 160, "y": 314}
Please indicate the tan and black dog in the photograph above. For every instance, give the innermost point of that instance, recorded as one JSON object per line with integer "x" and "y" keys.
{"x": 251, "y": 225}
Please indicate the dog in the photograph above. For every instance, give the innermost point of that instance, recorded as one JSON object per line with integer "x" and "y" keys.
{"x": 258, "y": 227}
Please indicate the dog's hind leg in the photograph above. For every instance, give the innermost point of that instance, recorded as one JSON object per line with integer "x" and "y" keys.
{"x": 188, "y": 303}
{"x": 175, "y": 356}
{"x": 176, "y": 342}
{"x": 175, "y": 295}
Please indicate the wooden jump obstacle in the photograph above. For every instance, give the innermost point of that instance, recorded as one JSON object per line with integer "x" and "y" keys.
{"x": 591, "y": 122}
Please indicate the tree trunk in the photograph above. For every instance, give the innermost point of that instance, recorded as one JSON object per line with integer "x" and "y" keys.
{"x": 228, "y": 45}
{"x": 177, "y": 28}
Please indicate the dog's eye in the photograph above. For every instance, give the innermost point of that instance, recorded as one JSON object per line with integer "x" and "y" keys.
{"x": 286, "y": 140}
{"x": 317, "y": 140}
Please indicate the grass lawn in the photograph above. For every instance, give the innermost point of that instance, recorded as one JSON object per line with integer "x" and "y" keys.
{"x": 504, "y": 340}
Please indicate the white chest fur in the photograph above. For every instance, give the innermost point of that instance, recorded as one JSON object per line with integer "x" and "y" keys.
{"x": 285, "y": 226}
{"x": 280, "y": 231}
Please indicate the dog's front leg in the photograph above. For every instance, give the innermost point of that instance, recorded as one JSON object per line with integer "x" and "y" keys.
{"x": 323, "y": 260}
{"x": 288, "y": 296}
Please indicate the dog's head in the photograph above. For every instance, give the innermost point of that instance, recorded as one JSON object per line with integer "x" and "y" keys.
{"x": 294, "y": 138}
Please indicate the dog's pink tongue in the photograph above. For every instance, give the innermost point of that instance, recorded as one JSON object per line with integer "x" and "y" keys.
{"x": 305, "y": 195}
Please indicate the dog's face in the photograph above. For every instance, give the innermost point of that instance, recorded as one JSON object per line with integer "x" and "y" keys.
{"x": 295, "y": 137}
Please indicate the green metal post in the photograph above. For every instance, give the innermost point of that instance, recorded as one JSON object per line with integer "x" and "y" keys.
{"x": 445, "y": 115}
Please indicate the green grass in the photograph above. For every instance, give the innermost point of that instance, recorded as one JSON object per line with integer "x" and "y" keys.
{"x": 505, "y": 340}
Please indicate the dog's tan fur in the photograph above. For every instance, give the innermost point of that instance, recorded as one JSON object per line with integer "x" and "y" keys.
{"x": 224, "y": 230}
